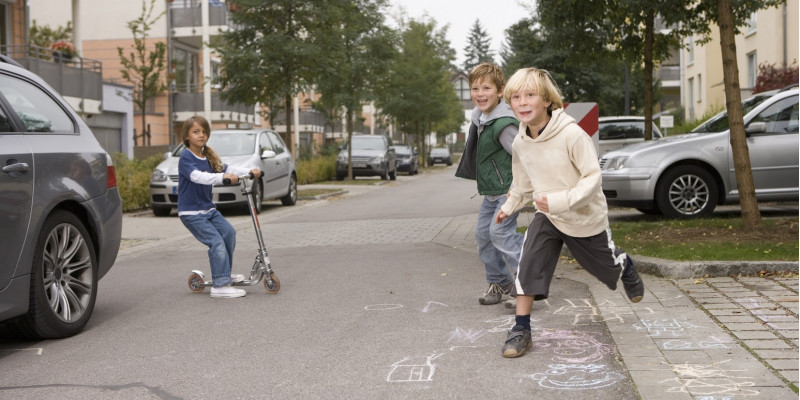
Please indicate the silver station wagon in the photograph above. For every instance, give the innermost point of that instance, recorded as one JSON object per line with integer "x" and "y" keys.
{"x": 688, "y": 175}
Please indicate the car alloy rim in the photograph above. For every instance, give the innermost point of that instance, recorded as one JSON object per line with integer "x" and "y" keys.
{"x": 67, "y": 265}
{"x": 689, "y": 194}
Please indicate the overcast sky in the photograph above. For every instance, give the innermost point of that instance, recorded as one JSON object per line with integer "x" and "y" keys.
{"x": 495, "y": 17}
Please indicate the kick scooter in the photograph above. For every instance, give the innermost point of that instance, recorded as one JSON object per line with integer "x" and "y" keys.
{"x": 261, "y": 266}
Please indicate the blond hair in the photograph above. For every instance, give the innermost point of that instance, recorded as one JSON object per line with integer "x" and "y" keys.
{"x": 536, "y": 79}
{"x": 208, "y": 152}
{"x": 493, "y": 72}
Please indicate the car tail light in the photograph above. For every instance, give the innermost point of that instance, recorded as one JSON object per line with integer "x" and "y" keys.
{"x": 111, "y": 177}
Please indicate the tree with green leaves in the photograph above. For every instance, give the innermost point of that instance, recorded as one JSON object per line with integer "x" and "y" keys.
{"x": 358, "y": 52}
{"x": 143, "y": 65}
{"x": 729, "y": 16}
{"x": 478, "y": 49}
{"x": 43, "y": 36}
{"x": 272, "y": 53}
{"x": 417, "y": 92}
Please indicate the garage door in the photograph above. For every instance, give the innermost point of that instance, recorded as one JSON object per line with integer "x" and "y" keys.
{"x": 107, "y": 128}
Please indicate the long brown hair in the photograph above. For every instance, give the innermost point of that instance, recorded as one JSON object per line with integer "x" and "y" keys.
{"x": 211, "y": 155}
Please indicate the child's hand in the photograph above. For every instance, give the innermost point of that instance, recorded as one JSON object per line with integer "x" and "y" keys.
{"x": 256, "y": 173}
{"x": 500, "y": 217}
{"x": 232, "y": 177}
{"x": 541, "y": 203}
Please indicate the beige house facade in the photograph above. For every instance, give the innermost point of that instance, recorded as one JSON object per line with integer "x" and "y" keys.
{"x": 770, "y": 37}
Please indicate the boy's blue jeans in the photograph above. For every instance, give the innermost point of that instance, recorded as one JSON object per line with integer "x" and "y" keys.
{"x": 214, "y": 231}
{"x": 499, "y": 245}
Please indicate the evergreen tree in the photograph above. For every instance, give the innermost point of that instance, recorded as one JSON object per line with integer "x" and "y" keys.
{"x": 478, "y": 48}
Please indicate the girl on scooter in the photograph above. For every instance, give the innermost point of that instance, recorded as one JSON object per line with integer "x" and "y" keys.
{"x": 199, "y": 169}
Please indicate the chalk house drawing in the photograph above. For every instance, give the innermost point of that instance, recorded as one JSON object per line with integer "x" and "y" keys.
{"x": 413, "y": 369}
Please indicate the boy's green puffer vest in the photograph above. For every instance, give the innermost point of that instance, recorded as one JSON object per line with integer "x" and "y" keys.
{"x": 493, "y": 162}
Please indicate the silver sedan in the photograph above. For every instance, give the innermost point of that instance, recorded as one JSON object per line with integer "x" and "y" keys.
{"x": 687, "y": 175}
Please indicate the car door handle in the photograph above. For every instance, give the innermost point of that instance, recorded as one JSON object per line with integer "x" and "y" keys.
{"x": 16, "y": 167}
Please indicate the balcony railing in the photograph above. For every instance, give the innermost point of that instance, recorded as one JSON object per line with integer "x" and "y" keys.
{"x": 187, "y": 13}
{"x": 73, "y": 77}
{"x": 193, "y": 102}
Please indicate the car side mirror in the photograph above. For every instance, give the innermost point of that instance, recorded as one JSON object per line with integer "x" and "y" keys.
{"x": 756, "y": 127}
{"x": 268, "y": 154}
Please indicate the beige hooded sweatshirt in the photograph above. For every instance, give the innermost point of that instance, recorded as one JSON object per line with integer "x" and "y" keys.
{"x": 561, "y": 163}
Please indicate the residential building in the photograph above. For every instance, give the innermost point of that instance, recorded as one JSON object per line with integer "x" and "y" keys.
{"x": 771, "y": 36}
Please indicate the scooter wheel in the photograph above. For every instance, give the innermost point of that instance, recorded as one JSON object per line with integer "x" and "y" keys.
{"x": 196, "y": 283}
{"x": 272, "y": 284}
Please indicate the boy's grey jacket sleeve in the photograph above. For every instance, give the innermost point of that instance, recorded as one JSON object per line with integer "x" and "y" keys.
{"x": 468, "y": 165}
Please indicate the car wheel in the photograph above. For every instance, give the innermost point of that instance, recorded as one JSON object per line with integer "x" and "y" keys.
{"x": 686, "y": 192}
{"x": 291, "y": 198}
{"x": 258, "y": 196}
{"x": 385, "y": 174}
{"x": 393, "y": 175}
{"x": 162, "y": 211}
{"x": 649, "y": 211}
{"x": 339, "y": 177}
{"x": 63, "y": 280}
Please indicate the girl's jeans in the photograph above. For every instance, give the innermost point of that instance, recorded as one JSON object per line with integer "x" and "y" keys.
{"x": 499, "y": 245}
{"x": 214, "y": 231}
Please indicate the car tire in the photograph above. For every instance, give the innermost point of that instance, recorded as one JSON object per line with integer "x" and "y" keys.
{"x": 393, "y": 175}
{"x": 339, "y": 177}
{"x": 291, "y": 198}
{"x": 161, "y": 211}
{"x": 649, "y": 211}
{"x": 258, "y": 196}
{"x": 686, "y": 191}
{"x": 63, "y": 280}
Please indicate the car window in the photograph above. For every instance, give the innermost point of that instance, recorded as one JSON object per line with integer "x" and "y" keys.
{"x": 232, "y": 144}
{"x": 719, "y": 122}
{"x": 277, "y": 144}
{"x": 38, "y": 111}
{"x": 402, "y": 150}
{"x": 369, "y": 143}
{"x": 264, "y": 143}
{"x": 5, "y": 123}
{"x": 780, "y": 117}
{"x": 622, "y": 130}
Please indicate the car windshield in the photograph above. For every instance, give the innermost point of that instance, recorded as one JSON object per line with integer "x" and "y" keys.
{"x": 719, "y": 122}
{"x": 439, "y": 152}
{"x": 368, "y": 143}
{"x": 402, "y": 150}
{"x": 227, "y": 144}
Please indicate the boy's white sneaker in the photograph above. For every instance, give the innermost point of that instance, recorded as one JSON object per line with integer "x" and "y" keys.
{"x": 227, "y": 292}
{"x": 236, "y": 278}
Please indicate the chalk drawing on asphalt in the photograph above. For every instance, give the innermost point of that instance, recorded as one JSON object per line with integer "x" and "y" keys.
{"x": 711, "y": 343}
{"x": 664, "y": 327}
{"x": 383, "y": 307}
{"x": 576, "y": 377}
{"x": 574, "y": 347}
{"x": 413, "y": 369}
{"x": 433, "y": 305}
{"x": 585, "y": 312}
{"x": 466, "y": 335}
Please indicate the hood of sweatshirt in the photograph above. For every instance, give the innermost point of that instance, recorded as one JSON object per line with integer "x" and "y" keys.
{"x": 558, "y": 121}
{"x": 501, "y": 110}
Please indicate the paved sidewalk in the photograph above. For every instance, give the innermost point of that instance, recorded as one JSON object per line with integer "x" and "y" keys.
{"x": 690, "y": 338}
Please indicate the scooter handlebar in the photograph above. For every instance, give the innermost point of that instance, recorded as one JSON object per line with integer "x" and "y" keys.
{"x": 249, "y": 175}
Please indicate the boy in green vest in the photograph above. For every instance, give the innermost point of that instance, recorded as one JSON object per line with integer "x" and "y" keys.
{"x": 487, "y": 159}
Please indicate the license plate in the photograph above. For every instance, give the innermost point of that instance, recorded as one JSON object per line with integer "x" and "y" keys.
{"x": 359, "y": 165}
{"x": 175, "y": 190}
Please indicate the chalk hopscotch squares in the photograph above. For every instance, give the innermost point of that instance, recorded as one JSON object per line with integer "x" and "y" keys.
{"x": 664, "y": 327}
{"x": 709, "y": 380}
{"x": 586, "y": 313}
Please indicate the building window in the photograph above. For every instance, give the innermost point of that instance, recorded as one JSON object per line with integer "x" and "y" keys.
{"x": 462, "y": 89}
{"x": 699, "y": 88}
{"x": 752, "y": 69}
{"x": 690, "y": 50}
{"x": 690, "y": 98}
{"x": 184, "y": 70}
{"x": 752, "y": 24}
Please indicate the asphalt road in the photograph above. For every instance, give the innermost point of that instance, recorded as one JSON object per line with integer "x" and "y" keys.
{"x": 370, "y": 306}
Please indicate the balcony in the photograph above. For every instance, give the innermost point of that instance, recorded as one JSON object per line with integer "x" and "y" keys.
{"x": 187, "y": 104}
{"x": 186, "y": 22}
{"x": 79, "y": 80}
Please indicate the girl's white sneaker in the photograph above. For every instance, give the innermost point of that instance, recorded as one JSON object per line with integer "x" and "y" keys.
{"x": 227, "y": 292}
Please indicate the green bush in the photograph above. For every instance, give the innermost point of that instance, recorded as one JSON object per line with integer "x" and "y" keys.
{"x": 133, "y": 180}
{"x": 317, "y": 169}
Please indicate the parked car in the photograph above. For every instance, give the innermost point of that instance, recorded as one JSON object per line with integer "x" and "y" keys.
{"x": 440, "y": 155}
{"x": 373, "y": 155}
{"x": 407, "y": 159}
{"x": 688, "y": 175}
{"x": 616, "y": 132}
{"x": 60, "y": 210}
{"x": 263, "y": 149}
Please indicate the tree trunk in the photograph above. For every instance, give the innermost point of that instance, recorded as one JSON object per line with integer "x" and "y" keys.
{"x": 648, "y": 74}
{"x": 287, "y": 110}
{"x": 733, "y": 102}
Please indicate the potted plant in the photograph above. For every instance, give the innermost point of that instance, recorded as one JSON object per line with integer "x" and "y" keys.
{"x": 63, "y": 50}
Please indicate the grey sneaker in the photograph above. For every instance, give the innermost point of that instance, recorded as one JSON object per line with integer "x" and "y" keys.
{"x": 494, "y": 294}
{"x": 510, "y": 304}
{"x": 633, "y": 285}
{"x": 517, "y": 343}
